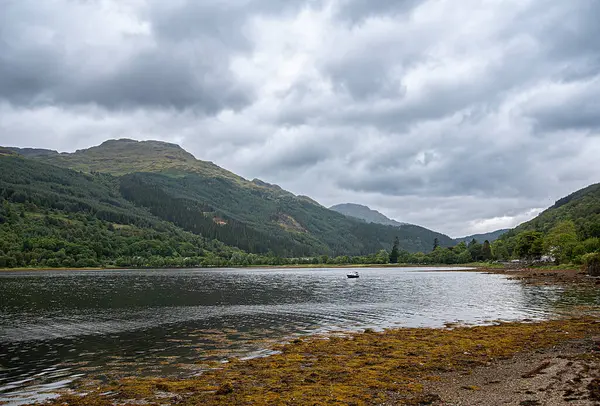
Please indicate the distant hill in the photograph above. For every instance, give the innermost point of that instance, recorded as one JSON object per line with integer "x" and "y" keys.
{"x": 364, "y": 213}
{"x": 491, "y": 236}
{"x": 369, "y": 215}
{"x": 170, "y": 184}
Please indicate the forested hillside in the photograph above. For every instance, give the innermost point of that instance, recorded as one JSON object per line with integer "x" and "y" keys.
{"x": 566, "y": 232}
{"x": 204, "y": 199}
{"x": 50, "y": 216}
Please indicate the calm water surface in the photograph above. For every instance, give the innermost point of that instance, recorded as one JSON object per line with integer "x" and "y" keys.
{"x": 60, "y": 326}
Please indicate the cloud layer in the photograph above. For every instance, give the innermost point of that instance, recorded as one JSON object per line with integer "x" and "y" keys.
{"x": 458, "y": 116}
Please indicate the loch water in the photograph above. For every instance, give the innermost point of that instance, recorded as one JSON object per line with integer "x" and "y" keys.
{"x": 58, "y": 327}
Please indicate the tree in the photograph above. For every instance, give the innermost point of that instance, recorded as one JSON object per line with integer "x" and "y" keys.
{"x": 500, "y": 250}
{"x": 529, "y": 245}
{"x": 592, "y": 264}
{"x": 382, "y": 257}
{"x": 394, "y": 254}
{"x": 561, "y": 240}
{"x": 475, "y": 251}
{"x": 486, "y": 251}
{"x": 464, "y": 257}
{"x": 436, "y": 243}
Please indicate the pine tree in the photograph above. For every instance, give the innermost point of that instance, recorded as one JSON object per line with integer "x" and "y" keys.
{"x": 486, "y": 251}
{"x": 436, "y": 243}
{"x": 394, "y": 254}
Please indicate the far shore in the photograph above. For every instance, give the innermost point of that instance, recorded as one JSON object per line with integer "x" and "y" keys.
{"x": 476, "y": 266}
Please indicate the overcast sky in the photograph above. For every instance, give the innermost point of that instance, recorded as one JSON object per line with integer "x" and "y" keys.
{"x": 461, "y": 116}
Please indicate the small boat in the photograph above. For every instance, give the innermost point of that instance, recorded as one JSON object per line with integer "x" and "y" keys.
{"x": 352, "y": 275}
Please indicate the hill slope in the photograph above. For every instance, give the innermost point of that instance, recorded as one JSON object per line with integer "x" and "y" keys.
{"x": 207, "y": 200}
{"x": 582, "y": 207}
{"x": 566, "y": 232}
{"x": 364, "y": 213}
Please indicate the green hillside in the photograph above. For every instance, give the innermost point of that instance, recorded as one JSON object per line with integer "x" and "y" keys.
{"x": 581, "y": 207}
{"x": 51, "y": 216}
{"x": 567, "y": 231}
{"x": 207, "y": 200}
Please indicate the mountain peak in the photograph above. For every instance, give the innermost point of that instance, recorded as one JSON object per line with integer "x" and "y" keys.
{"x": 124, "y": 147}
{"x": 365, "y": 213}
{"x": 123, "y": 156}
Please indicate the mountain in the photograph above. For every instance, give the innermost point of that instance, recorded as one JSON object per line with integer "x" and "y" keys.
{"x": 491, "y": 236}
{"x": 167, "y": 183}
{"x": 364, "y": 213}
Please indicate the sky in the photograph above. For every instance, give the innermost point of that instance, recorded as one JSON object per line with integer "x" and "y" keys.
{"x": 460, "y": 116}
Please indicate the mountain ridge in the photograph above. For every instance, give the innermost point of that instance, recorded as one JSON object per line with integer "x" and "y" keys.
{"x": 256, "y": 216}
{"x": 365, "y": 213}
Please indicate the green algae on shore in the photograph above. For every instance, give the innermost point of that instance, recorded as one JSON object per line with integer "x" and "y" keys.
{"x": 364, "y": 368}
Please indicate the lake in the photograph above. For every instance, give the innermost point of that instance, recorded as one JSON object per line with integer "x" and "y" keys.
{"x": 57, "y": 327}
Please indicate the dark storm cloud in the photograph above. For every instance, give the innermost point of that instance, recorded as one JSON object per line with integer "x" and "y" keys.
{"x": 179, "y": 62}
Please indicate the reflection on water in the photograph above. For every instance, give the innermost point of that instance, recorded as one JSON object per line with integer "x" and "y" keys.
{"x": 57, "y": 326}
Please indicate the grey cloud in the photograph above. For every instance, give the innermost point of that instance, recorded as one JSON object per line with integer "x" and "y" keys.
{"x": 479, "y": 169}
{"x": 580, "y": 114}
{"x": 365, "y": 78}
{"x": 571, "y": 34}
{"x": 357, "y": 11}
{"x": 172, "y": 79}
{"x": 158, "y": 72}
{"x": 222, "y": 20}
{"x": 541, "y": 44}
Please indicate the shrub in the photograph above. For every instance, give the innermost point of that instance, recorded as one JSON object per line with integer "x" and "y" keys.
{"x": 591, "y": 263}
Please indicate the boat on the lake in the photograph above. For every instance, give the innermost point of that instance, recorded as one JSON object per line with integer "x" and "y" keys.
{"x": 352, "y": 275}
